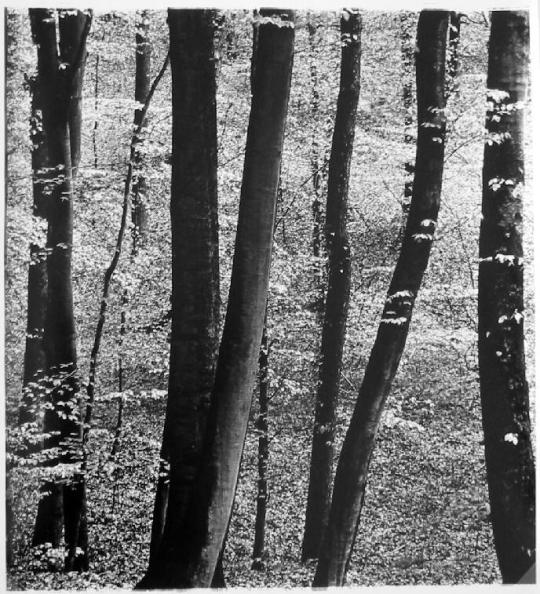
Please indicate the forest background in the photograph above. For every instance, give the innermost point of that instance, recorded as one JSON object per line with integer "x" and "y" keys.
{"x": 426, "y": 518}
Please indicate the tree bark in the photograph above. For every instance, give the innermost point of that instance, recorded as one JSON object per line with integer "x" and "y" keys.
{"x": 503, "y": 385}
{"x": 143, "y": 58}
{"x": 452, "y": 68}
{"x": 96, "y": 104}
{"x": 339, "y": 280}
{"x": 351, "y": 474}
{"x": 318, "y": 164}
{"x": 58, "y": 80}
{"x": 34, "y": 356}
{"x": 143, "y": 55}
{"x": 261, "y": 424}
{"x": 195, "y": 275}
{"x": 71, "y": 26}
{"x": 407, "y": 25}
{"x": 189, "y": 556}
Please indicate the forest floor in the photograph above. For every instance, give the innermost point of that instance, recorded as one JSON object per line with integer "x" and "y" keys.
{"x": 426, "y": 514}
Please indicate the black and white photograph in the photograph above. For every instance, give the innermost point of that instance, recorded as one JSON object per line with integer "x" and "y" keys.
{"x": 269, "y": 295}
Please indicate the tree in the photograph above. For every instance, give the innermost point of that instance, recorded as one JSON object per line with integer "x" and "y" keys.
{"x": 318, "y": 164}
{"x": 58, "y": 81}
{"x": 195, "y": 273}
{"x": 351, "y": 473}
{"x": 263, "y": 451}
{"x": 143, "y": 55}
{"x": 339, "y": 280}
{"x": 503, "y": 385}
{"x": 454, "y": 33}
{"x": 407, "y": 25}
{"x": 188, "y": 556}
{"x": 71, "y": 27}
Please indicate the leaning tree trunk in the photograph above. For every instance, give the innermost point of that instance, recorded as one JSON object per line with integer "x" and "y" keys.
{"x": 339, "y": 280}
{"x": 189, "y": 556}
{"x": 407, "y": 26}
{"x": 143, "y": 55}
{"x": 263, "y": 452}
{"x": 503, "y": 385}
{"x": 195, "y": 276}
{"x": 351, "y": 475}
{"x": 58, "y": 81}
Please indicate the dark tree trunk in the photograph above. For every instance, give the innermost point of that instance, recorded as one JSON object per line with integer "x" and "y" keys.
{"x": 351, "y": 474}
{"x": 34, "y": 356}
{"x": 503, "y": 385}
{"x": 188, "y": 557}
{"x": 71, "y": 26}
{"x": 58, "y": 81}
{"x": 407, "y": 27}
{"x": 261, "y": 425}
{"x": 195, "y": 276}
{"x": 339, "y": 280}
{"x": 452, "y": 67}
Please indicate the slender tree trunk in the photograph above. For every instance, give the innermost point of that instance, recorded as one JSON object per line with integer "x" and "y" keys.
{"x": 58, "y": 80}
{"x": 195, "y": 280}
{"x": 317, "y": 162}
{"x": 189, "y": 556}
{"x": 142, "y": 88}
{"x": 261, "y": 425}
{"x": 339, "y": 279}
{"x": 407, "y": 27}
{"x": 111, "y": 269}
{"x": 503, "y": 385}
{"x": 143, "y": 55}
{"x": 452, "y": 67}
{"x": 351, "y": 474}
{"x": 96, "y": 118}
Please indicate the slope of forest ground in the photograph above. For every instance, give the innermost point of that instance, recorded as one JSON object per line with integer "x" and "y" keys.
{"x": 426, "y": 518}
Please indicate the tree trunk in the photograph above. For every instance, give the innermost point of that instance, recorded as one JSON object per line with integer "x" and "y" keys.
{"x": 503, "y": 385}
{"x": 58, "y": 81}
{"x": 351, "y": 474}
{"x": 407, "y": 25}
{"x": 452, "y": 67}
{"x": 318, "y": 164}
{"x": 261, "y": 425}
{"x": 188, "y": 557}
{"x": 142, "y": 88}
{"x": 143, "y": 55}
{"x": 34, "y": 356}
{"x": 339, "y": 280}
{"x": 96, "y": 104}
{"x": 71, "y": 26}
{"x": 195, "y": 275}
